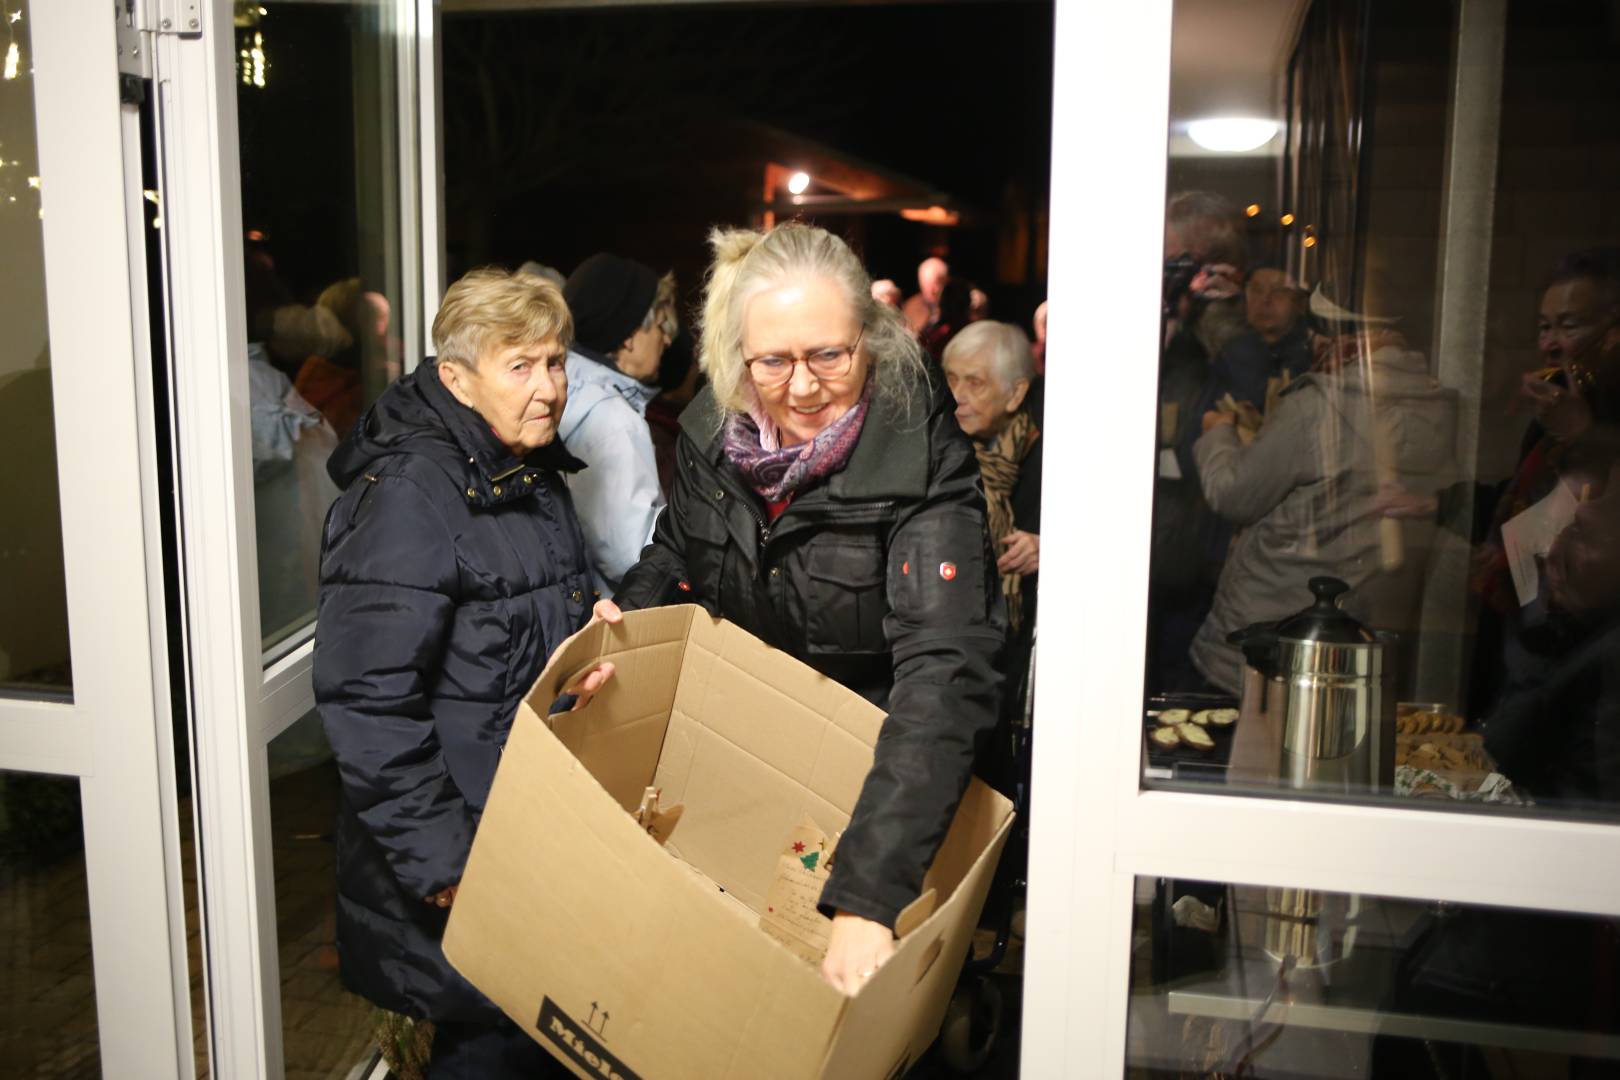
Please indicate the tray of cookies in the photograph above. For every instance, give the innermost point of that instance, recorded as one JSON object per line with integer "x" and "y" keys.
{"x": 1430, "y": 739}
{"x": 1189, "y": 736}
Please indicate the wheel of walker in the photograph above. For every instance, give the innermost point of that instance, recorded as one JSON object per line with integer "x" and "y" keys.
{"x": 972, "y": 1023}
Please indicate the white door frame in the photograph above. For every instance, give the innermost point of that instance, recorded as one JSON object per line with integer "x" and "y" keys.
{"x": 1093, "y": 829}
{"x": 114, "y": 736}
{"x": 241, "y": 698}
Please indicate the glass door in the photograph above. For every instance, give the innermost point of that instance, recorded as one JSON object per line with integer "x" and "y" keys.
{"x": 89, "y": 869}
{"x": 1416, "y": 257}
{"x": 288, "y": 139}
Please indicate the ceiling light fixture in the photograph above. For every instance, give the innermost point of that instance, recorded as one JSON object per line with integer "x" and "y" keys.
{"x": 1232, "y": 134}
{"x": 799, "y": 183}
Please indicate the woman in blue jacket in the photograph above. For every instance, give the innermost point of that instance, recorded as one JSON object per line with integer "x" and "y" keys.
{"x": 451, "y": 567}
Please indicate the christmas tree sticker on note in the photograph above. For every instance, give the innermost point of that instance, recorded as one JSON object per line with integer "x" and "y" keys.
{"x": 790, "y": 914}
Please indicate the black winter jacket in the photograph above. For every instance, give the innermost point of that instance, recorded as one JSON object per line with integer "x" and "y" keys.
{"x": 449, "y": 572}
{"x": 881, "y": 578}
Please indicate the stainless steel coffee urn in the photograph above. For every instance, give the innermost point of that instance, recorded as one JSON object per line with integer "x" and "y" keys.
{"x": 1321, "y": 677}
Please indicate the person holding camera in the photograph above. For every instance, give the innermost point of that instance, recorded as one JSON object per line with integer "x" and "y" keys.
{"x": 1204, "y": 255}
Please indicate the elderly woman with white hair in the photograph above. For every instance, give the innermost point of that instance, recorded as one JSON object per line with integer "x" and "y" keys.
{"x": 826, "y": 501}
{"x": 989, "y": 369}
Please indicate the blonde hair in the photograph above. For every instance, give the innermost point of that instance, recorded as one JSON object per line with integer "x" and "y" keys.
{"x": 748, "y": 262}
{"x": 492, "y": 308}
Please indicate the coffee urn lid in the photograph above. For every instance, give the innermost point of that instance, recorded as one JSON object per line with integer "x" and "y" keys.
{"x": 1324, "y": 621}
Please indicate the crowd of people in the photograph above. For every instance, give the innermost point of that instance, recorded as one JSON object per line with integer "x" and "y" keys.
{"x": 851, "y": 476}
{"x": 1301, "y": 438}
{"x": 854, "y": 476}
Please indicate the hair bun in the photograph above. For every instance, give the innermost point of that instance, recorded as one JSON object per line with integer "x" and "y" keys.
{"x": 731, "y": 246}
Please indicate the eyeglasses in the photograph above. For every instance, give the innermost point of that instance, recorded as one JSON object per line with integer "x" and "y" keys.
{"x": 770, "y": 372}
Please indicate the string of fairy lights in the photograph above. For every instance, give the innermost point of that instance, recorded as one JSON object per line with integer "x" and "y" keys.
{"x": 252, "y": 65}
{"x": 17, "y": 188}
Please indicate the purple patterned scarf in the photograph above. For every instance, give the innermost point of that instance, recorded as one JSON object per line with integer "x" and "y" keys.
{"x": 777, "y": 472}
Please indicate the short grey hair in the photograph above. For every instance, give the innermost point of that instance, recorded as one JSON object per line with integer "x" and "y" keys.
{"x": 490, "y": 308}
{"x": 748, "y": 262}
{"x": 1008, "y": 346}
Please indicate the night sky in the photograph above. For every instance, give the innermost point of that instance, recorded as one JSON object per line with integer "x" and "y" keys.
{"x": 636, "y": 130}
{"x": 623, "y": 125}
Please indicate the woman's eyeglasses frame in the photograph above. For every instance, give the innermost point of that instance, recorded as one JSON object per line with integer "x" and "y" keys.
{"x": 832, "y": 362}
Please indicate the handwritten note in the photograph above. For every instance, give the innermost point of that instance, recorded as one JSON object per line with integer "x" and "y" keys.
{"x": 790, "y": 914}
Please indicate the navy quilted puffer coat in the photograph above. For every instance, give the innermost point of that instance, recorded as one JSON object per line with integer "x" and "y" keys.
{"x": 449, "y": 572}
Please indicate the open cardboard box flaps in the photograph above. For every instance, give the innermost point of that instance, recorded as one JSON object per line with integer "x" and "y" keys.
{"x": 626, "y": 958}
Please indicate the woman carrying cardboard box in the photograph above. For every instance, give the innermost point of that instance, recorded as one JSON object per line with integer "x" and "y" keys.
{"x": 826, "y": 501}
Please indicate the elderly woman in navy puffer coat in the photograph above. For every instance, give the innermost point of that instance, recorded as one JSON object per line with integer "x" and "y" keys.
{"x": 451, "y": 567}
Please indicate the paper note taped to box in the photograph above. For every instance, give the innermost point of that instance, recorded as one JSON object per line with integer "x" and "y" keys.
{"x": 628, "y": 959}
{"x": 791, "y": 914}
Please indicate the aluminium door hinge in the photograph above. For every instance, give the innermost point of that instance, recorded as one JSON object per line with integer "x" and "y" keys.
{"x": 134, "y": 54}
{"x": 180, "y": 17}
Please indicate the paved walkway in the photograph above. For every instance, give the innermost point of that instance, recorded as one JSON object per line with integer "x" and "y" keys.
{"x": 47, "y": 987}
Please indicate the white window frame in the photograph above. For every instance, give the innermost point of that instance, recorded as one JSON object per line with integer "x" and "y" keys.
{"x": 1094, "y": 831}
{"x": 242, "y": 696}
{"x": 113, "y": 737}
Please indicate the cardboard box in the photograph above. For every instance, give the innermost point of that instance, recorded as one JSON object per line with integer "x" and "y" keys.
{"x": 630, "y": 960}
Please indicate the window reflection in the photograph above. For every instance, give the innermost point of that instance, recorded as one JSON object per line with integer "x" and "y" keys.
{"x": 48, "y": 989}
{"x": 1233, "y": 980}
{"x": 1388, "y": 482}
{"x": 317, "y": 101}
{"x": 34, "y": 620}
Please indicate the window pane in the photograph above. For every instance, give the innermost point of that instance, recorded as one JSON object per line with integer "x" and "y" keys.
{"x": 326, "y": 1031}
{"x": 1231, "y": 980}
{"x": 317, "y": 104}
{"x": 47, "y": 984}
{"x": 1391, "y": 367}
{"x": 33, "y": 620}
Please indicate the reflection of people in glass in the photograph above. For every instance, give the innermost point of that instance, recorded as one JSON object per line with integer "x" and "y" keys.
{"x": 1205, "y": 251}
{"x": 1569, "y": 392}
{"x": 624, "y": 319}
{"x": 1554, "y": 727}
{"x": 1273, "y": 346}
{"x": 1247, "y": 374}
{"x": 333, "y": 380}
{"x": 826, "y": 500}
{"x": 452, "y": 566}
{"x": 291, "y": 491}
{"x": 1305, "y": 490}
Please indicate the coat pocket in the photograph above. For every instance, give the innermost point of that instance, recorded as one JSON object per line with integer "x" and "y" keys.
{"x": 846, "y": 601}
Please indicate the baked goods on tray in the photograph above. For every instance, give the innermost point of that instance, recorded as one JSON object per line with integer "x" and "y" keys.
{"x": 1195, "y": 736}
{"x": 1419, "y": 719}
{"x": 1165, "y": 738}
